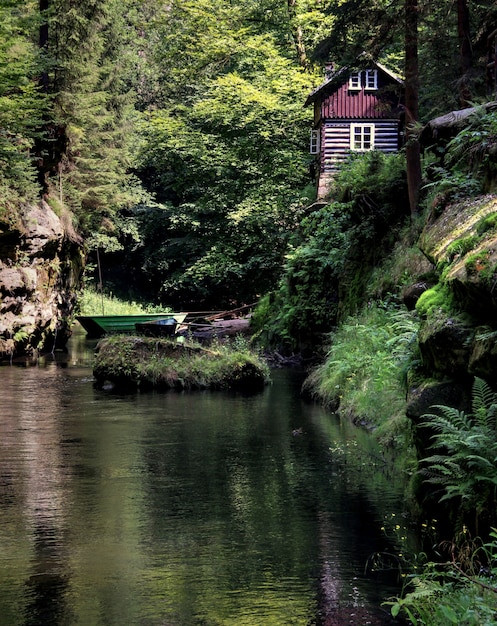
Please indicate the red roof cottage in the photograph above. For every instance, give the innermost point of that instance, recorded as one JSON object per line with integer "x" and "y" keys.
{"x": 355, "y": 110}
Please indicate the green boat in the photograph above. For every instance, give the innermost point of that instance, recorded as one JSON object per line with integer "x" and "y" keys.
{"x": 99, "y": 325}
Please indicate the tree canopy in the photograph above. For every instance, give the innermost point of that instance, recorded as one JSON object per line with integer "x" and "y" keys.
{"x": 175, "y": 128}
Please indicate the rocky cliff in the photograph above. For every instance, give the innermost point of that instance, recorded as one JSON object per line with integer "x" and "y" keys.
{"x": 40, "y": 269}
{"x": 458, "y": 334}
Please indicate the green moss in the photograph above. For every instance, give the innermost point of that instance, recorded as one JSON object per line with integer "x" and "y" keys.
{"x": 56, "y": 205}
{"x": 487, "y": 223}
{"x": 438, "y": 298}
{"x": 131, "y": 362}
{"x": 478, "y": 263}
{"x": 456, "y": 250}
{"x": 462, "y": 246}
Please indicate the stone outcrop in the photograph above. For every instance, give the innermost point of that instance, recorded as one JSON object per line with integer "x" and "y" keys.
{"x": 40, "y": 270}
{"x": 458, "y": 334}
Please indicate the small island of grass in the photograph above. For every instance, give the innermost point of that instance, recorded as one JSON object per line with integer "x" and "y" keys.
{"x": 133, "y": 362}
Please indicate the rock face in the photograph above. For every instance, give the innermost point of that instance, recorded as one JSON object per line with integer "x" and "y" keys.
{"x": 458, "y": 334}
{"x": 40, "y": 268}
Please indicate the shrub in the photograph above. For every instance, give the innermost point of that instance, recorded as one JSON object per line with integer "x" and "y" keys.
{"x": 339, "y": 246}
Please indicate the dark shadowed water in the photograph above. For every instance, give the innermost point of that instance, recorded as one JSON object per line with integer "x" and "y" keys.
{"x": 183, "y": 509}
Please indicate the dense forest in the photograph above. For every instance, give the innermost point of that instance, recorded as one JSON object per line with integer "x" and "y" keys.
{"x": 171, "y": 140}
{"x": 174, "y": 135}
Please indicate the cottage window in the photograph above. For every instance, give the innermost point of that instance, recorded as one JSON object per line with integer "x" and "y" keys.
{"x": 362, "y": 137}
{"x": 315, "y": 142}
{"x": 355, "y": 80}
{"x": 371, "y": 79}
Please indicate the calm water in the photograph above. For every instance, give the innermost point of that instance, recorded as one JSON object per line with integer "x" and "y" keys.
{"x": 183, "y": 509}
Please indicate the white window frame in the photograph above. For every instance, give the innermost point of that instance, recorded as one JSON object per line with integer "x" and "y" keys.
{"x": 371, "y": 79}
{"x": 355, "y": 81}
{"x": 360, "y": 144}
{"x": 315, "y": 147}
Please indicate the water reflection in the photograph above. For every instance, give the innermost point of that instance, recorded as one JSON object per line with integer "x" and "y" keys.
{"x": 183, "y": 509}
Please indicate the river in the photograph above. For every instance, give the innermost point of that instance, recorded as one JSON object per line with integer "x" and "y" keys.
{"x": 184, "y": 509}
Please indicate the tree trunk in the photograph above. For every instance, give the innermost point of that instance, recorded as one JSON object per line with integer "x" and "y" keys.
{"x": 465, "y": 53}
{"x": 413, "y": 155}
{"x": 43, "y": 39}
{"x": 298, "y": 35}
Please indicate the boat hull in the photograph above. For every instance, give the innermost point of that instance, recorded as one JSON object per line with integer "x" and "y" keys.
{"x": 99, "y": 325}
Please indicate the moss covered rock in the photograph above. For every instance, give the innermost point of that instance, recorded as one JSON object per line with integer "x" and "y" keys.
{"x": 458, "y": 334}
{"x": 129, "y": 362}
{"x": 483, "y": 357}
{"x": 431, "y": 392}
{"x": 462, "y": 244}
{"x": 445, "y": 343}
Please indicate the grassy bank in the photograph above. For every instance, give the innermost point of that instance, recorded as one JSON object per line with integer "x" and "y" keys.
{"x": 140, "y": 362}
{"x": 363, "y": 376}
{"x": 92, "y": 302}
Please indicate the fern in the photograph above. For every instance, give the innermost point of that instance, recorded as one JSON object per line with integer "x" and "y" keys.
{"x": 483, "y": 400}
{"x": 464, "y": 461}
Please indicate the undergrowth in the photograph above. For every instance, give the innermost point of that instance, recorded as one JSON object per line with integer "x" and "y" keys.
{"x": 458, "y": 586}
{"x": 458, "y": 589}
{"x": 366, "y": 367}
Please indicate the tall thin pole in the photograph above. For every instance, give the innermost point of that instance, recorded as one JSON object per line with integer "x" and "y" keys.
{"x": 100, "y": 281}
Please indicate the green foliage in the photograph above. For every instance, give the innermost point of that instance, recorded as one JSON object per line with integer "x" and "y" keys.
{"x": 91, "y": 302}
{"x": 450, "y": 185}
{"x": 461, "y": 591}
{"x": 339, "y": 246}
{"x": 450, "y": 601}
{"x": 486, "y": 224}
{"x": 474, "y": 147}
{"x": 470, "y": 166}
{"x": 403, "y": 267}
{"x": 197, "y": 40}
{"x": 22, "y": 105}
{"x": 463, "y": 466}
{"x": 373, "y": 177}
{"x": 94, "y": 106}
{"x": 166, "y": 364}
{"x": 460, "y": 247}
{"x": 360, "y": 25}
{"x": 231, "y": 174}
{"x": 362, "y": 374}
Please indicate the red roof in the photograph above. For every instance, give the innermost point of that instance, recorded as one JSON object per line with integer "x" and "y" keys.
{"x": 338, "y": 101}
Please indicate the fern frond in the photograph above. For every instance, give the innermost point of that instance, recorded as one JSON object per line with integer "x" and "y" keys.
{"x": 488, "y": 479}
{"x": 492, "y": 416}
{"x": 447, "y": 414}
{"x": 482, "y": 399}
{"x": 475, "y": 460}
